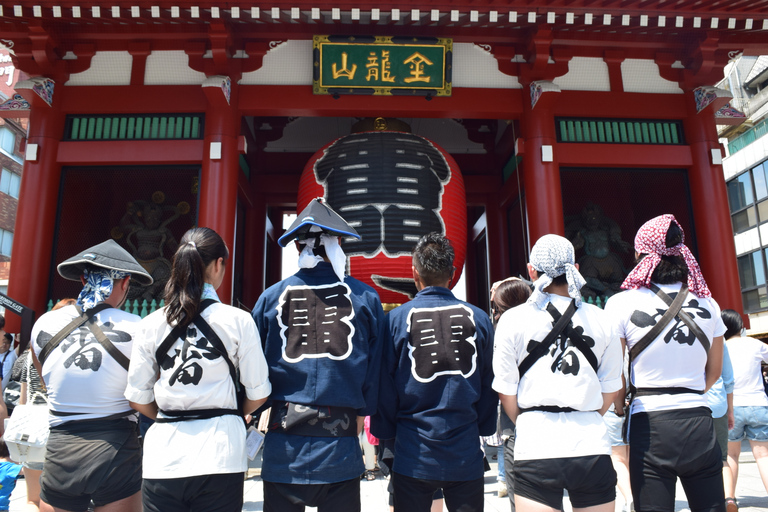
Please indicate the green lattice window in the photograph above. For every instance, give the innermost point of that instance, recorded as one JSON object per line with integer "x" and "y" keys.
{"x": 134, "y": 127}
{"x": 748, "y": 137}
{"x": 618, "y": 131}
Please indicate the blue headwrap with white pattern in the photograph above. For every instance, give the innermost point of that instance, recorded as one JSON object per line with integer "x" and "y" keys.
{"x": 98, "y": 286}
{"x": 554, "y": 256}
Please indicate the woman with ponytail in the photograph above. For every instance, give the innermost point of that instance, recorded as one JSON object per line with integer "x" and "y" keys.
{"x": 672, "y": 329}
{"x": 188, "y": 362}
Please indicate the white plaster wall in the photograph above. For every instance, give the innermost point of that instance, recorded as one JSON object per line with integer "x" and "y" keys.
{"x": 641, "y": 75}
{"x": 107, "y": 68}
{"x": 758, "y": 323}
{"x": 171, "y": 68}
{"x": 585, "y": 74}
{"x": 289, "y": 63}
{"x": 476, "y": 67}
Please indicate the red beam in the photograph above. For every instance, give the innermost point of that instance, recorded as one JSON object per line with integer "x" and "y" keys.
{"x": 298, "y": 100}
{"x": 623, "y": 155}
{"x": 149, "y": 152}
{"x": 621, "y": 105}
{"x": 128, "y": 99}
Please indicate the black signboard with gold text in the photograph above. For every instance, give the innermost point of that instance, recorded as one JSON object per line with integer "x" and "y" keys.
{"x": 382, "y": 65}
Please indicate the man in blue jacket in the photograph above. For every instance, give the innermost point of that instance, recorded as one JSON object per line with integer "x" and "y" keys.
{"x": 436, "y": 398}
{"x": 322, "y": 333}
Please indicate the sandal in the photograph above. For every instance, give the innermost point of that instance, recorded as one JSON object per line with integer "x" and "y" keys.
{"x": 731, "y": 505}
{"x": 370, "y": 476}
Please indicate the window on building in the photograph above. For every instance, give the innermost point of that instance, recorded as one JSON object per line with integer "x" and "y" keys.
{"x": 6, "y": 242}
{"x": 9, "y": 183}
{"x": 752, "y": 273}
{"x": 7, "y": 140}
{"x": 740, "y": 192}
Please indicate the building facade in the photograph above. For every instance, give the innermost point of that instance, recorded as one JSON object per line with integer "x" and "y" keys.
{"x": 575, "y": 118}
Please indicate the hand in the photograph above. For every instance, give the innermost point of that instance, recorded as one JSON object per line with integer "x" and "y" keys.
{"x": 731, "y": 420}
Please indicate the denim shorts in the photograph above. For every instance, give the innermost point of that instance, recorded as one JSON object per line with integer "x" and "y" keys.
{"x": 614, "y": 425}
{"x": 751, "y": 421}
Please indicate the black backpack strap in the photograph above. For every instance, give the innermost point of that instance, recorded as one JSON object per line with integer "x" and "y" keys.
{"x": 74, "y": 324}
{"x": 111, "y": 349}
{"x": 176, "y": 333}
{"x": 216, "y": 342}
{"x": 674, "y": 308}
{"x": 543, "y": 347}
{"x": 575, "y": 339}
{"x": 684, "y": 316}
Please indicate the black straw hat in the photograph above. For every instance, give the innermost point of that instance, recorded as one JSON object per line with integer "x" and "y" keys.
{"x": 318, "y": 214}
{"x": 108, "y": 255}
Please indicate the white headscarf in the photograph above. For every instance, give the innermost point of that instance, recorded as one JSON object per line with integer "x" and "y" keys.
{"x": 554, "y": 256}
{"x": 308, "y": 258}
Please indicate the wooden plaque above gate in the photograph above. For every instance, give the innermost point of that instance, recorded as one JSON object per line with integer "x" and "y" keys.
{"x": 382, "y": 65}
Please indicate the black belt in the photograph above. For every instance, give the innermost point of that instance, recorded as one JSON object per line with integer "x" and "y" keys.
{"x": 548, "y": 408}
{"x": 665, "y": 391}
{"x": 194, "y": 414}
{"x": 313, "y": 421}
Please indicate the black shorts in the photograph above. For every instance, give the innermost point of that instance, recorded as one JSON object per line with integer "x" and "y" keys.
{"x": 416, "y": 494}
{"x": 204, "y": 493}
{"x": 667, "y": 445}
{"x": 590, "y": 480}
{"x": 97, "y": 460}
{"x": 336, "y": 497}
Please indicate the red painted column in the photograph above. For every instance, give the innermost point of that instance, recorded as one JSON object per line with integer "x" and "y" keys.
{"x": 543, "y": 200}
{"x": 219, "y": 178}
{"x": 36, "y": 212}
{"x": 714, "y": 233}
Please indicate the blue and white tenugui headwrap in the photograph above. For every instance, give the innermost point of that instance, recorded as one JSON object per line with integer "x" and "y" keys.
{"x": 98, "y": 286}
{"x": 554, "y": 256}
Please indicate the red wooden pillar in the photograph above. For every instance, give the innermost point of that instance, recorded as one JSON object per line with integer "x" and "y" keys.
{"x": 219, "y": 178}
{"x": 714, "y": 233}
{"x": 36, "y": 213}
{"x": 543, "y": 200}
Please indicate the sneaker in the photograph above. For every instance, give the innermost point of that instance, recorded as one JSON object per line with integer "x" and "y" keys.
{"x": 503, "y": 489}
{"x": 731, "y": 505}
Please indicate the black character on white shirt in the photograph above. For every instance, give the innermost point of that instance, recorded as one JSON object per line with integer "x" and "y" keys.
{"x": 316, "y": 321}
{"x": 564, "y": 350}
{"x": 193, "y": 349}
{"x": 442, "y": 342}
{"x": 88, "y": 355}
{"x": 679, "y": 331}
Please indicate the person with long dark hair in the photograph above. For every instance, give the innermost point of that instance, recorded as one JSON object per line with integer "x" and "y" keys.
{"x": 505, "y": 295}
{"x": 674, "y": 334}
{"x": 188, "y": 362}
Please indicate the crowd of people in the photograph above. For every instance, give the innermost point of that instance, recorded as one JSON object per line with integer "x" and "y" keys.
{"x": 638, "y": 394}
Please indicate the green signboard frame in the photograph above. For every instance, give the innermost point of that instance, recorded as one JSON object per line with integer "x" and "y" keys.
{"x": 382, "y": 65}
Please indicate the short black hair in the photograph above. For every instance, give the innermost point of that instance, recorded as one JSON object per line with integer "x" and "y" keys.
{"x": 733, "y": 323}
{"x": 2, "y": 322}
{"x": 433, "y": 258}
{"x": 4, "y": 453}
{"x": 560, "y": 280}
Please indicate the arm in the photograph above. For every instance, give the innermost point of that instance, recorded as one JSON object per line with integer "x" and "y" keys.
{"x": 23, "y": 393}
{"x": 149, "y": 410}
{"x": 509, "y": 402}
{"x": 608, "y": 399}
{"x": 621, "y": 396}
{"x": 731, "y": 418}
{"x": 714, "y": 366}
{"x": 249, "y": 406}
{"x": 254, "y": 374}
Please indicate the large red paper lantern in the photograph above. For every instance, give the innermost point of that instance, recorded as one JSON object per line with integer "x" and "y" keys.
{"x": 392, "y": 187}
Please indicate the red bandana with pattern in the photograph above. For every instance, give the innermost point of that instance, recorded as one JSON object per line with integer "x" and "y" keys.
{"x": 651, "y": 241}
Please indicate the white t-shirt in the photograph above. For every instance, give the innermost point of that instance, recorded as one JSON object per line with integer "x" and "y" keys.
{"x": 84, "y": 382}
{"x": 201, "y": 380}
{"x": 561, "y": 378}
{"x": 746, "y": 356}
{"x": 676, "y": 358}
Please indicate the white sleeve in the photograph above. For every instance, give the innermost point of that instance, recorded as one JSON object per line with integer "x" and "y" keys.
{"x": 143, "y": 371}
{"x": 254, "y": 373}
{"x": 612, "y": 363}
{"x": 506, "y": 375}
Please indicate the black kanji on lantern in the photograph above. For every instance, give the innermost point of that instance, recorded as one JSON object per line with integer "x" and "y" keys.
{"x": 388, "y": 186}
